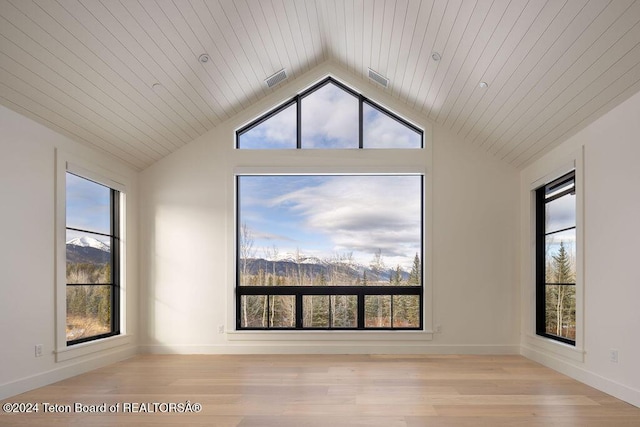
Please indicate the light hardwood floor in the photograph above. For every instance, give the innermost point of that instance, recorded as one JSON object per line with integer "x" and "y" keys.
{"x": 329, "y": 390}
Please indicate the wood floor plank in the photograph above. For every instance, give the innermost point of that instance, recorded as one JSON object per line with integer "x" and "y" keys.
{"x": 328, "y": 390}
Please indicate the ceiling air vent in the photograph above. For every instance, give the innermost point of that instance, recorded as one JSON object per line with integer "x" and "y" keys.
{"x": 378, "y": 78}
{"x": 276, "y": 78}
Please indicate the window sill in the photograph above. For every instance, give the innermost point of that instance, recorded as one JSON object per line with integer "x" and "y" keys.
{"x": 314, "y": 335}
{"x": 556, "y": 348}
{"x": 86, "y": 348}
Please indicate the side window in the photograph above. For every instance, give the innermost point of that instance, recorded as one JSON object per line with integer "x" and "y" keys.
{"x": 556, "y": 259}
{"x": 92, "y": 260}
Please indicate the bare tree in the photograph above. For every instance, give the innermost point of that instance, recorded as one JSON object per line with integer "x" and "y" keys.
{"x": 247, "y": 252}
{"x": 377, "y": 267}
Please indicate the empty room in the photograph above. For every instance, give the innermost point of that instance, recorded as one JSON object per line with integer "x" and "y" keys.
{"x": 319, "y": 212}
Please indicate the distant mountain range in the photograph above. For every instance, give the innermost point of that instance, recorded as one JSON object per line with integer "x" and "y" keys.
{"x": 312, "y": 266}
{"x": 92, "y": 251}
{"x": 87, "y": 250}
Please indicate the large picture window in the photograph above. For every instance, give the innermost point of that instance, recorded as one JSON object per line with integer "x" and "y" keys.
{"x": 556, "y": 259}
{"x": 329, "y": 251}
{"x": 92, "y": 260}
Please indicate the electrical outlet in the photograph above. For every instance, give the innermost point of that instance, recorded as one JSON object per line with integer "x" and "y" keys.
{"x": 38, "y": 350}
{"x": 613, "y": 355}
{"x": 221, "y": 329}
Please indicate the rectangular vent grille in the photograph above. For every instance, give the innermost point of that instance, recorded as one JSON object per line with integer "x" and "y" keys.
{"x": 276, "y": 78}
{"x": 378, "y": 78}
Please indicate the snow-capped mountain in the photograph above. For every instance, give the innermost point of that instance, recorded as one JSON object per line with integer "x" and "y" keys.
{"x": 298, "y": 259}
{"x": 286, "y": 263}
{"x": 89, "y": 242}
{"x": 87, "y": 250}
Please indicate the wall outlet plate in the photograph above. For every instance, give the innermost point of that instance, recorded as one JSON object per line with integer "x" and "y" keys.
{"x": 613, "y": 355}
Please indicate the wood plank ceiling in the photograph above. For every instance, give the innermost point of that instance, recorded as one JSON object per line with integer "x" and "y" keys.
{"x": 87, "y": 68}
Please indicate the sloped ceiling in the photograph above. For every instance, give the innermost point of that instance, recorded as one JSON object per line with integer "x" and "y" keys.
{"x": 125, "y": 77}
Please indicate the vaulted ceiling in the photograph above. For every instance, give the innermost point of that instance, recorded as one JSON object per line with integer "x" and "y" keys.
{"x": 125, "y": 76}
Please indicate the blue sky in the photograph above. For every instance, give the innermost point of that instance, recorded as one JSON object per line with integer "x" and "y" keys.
{"x": 323, "y": 216}
{"x": 88, "y": 208}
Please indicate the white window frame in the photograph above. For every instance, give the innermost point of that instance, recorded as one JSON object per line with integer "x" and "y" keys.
{"x": 575, "y": 161}
{"x": 327, "y": 161}
{"x": 68, "y": 163}
{"x": 425, "y": 334}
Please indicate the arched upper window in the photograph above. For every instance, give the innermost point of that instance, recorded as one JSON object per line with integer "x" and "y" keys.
{"x": 329, "y": 115}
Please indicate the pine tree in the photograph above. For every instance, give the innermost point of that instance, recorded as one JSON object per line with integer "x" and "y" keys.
{"x": 397, "y": 276}
{"x": 563, "y": 293}
{"x": 415, "y": 276}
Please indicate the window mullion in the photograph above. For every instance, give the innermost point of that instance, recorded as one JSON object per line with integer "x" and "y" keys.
{"x": 299, "y": 314}
{"x": 298, "y": 122}
{"x": 360, "y": 122}
{"x": 540, "y": 262}
{"x": 361, "y": 310}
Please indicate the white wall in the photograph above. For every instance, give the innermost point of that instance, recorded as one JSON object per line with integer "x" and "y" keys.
{"x": 187, "y": 269}
{"x": 27, "y": 254}
{"x": 611, "y": 234}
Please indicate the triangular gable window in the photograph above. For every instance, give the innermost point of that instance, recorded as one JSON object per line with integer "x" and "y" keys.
{"x": 329, "y": 115}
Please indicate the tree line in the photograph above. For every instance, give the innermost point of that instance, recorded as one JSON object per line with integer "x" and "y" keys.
{"x": 88, "y": 301}
{"x": 324, "y": 311}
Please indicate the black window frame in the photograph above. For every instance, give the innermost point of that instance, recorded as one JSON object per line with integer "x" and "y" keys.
{"x": 298, "y": 292}
{"x": 297, "y": 100}
{"x": 115, "y": 239}
{"x": 541, "y": 201}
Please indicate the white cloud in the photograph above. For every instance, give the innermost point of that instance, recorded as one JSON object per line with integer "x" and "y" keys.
{"x": 330, "y": 119}
{"x": 279, "y": 131}
{"x": 363, "y": 213}
{"x": 381, "y": 131}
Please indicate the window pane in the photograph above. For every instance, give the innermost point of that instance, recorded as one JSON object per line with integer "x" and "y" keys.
{"x": 330, "y": 119}
{"x": 406, "y": 311}
{"x": 88, "y": 258}
{"x": 560, "y": 310}
{"x": 561, "y": 257}
{"x": 377, "y": 311}
{"x": 561, "y": 213}
{"x": 316, "y": 311}
{"x": 276, "y": 132}
{"x": 88, "y": 311}
{"x": 282, "y": 311}
{"x": 560, "y": 185}
{"x": 329, "y": 230}
{"x": 253, "y": 311}
{"x": 344, "y": 311}
{"x": 88, "y": 205}
{"x": 382, "y": 131}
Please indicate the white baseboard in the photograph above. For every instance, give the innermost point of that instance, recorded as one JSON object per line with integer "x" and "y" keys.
{"x": 324, "y": 348}
{"x": 620, "y": 391}
{"x": 69, "y": 370}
